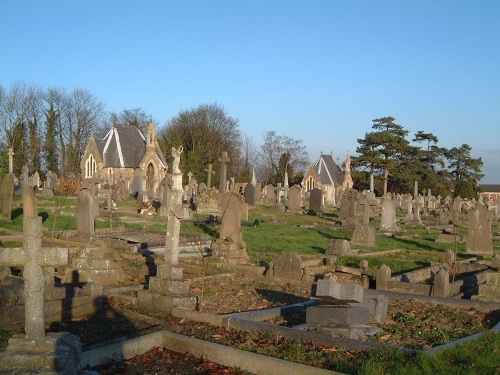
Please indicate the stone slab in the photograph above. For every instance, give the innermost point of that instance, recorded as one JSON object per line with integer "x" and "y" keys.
{"x": 331, "y": 290}
{"x": 331, "y": 315}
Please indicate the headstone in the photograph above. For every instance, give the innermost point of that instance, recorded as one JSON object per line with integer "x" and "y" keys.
{"x": 416, "y": 211}
{"x": 210, "y": 172}
{"x": 363, "y": 235}
{"x": 316, "y": 200}
{"x": 231, "y": 218}
{"x": 288, "y": 265}
{"x": 250, "y": 194}
{"x": 85, "y": 214}
{"x": 36, "y": 180}
{"x": 449, "y": 258}
{"x": 388, "y": 219}
{"x": 479, "y": 237}
{"x": 270, "y": 194}
{"x": 384, "y": 274}
{"x": 24, "y": 176}
{"x": 442, "y": 283}
{"x": 6, "y": 191}
{"x": 201, "y": 188}
{"x": 230, "y": 247}
{"x": 339, "y": 247}
{"x": 294, "y": 198}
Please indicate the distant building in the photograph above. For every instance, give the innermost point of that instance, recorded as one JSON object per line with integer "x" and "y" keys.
{"x": 125, "y": 151}
{"x": 491, "y": 192}
{"x": 326, "y": 175}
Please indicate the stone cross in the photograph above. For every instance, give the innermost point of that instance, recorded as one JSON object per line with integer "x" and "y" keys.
{"x": 224, "y": 159}
{"x": 33, "y": 257}
{"x": 209, "y": 177}
{"x": 11, "y": 160}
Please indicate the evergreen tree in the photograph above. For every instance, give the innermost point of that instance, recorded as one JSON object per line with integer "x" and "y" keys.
{"x": 466, "y": 171}
{"x": 50, "y": 145}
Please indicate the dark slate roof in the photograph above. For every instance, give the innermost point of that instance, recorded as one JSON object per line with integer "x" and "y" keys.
{"x": 489, "y": 188}
{"x": 124, "y": 146}
{"x": 328, "y": 171}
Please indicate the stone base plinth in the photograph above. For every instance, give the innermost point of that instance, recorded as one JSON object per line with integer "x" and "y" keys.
{"x": 57, "y": 353}
{"x": 155, "y": 300}
{"x": 230, "y": 253}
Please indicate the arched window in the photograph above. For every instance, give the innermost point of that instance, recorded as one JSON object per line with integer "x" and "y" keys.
{"x": 150, "y": 175}
{"x": 90, "y": 167}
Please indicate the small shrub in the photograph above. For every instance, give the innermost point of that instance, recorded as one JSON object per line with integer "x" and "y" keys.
{"x": 70, "y": 186}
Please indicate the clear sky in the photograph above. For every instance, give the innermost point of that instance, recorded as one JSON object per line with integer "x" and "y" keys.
{"x": 315, "y": 70}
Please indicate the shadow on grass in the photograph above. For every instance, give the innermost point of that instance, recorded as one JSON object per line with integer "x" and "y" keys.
{"x": 416, "y": 244}
{"x": 16, "y": 213}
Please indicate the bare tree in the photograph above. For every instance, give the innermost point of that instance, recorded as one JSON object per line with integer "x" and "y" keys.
{"x": 277, "y": 148}
{"x": 83, "y": 115}
{"x": 15, "y": 106}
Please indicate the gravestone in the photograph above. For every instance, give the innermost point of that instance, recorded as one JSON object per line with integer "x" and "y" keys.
{"x": 270, "y": 194}
{"x": 210, "y": 172}
{"x": 230, "y": 247}
{"x": 388, "y": 219}
{"x": 6, "y": 192}
{"x": 479, "y": 237}
{"x": 36, "y": 180}
{"x": 416, "y": 211}
{"x": 288, "y": 265}
{"x": 316, "y": 200}
{"x": 231, "y": 218}
{"x": 209, "y": 202}
{"x": 24, "y": 177}
{"x": 85, "y": 214}
{"x": 363, "y": 235}
{"x": 339, "y": 247}
{"x": 201, "y": 188}
{"x": 250, "y": 194}
{"x": 294, "y": 198}
{"x": 36, "y": 352}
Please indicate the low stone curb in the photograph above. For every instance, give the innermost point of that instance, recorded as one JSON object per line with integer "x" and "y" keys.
{"x": 221, "y": 354}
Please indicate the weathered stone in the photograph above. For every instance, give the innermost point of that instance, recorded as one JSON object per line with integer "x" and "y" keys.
{"x": 339, "y": 247}
{"x": 388, "y": 219}
{"x": 316, "y": 200}
{"x": 325, "y": 315}
{"x": 331, "y": 290}
{"x": 250, "y": 194}
{"x": 85, "y": 214}
{"x": 384, "y": 274}
{"x": 294, "y": 198}
{"x": 479, "y": 237}
{"x": 363, "y": 235}
{"x": 288, "y": 265}
{"x": 6, "y": 191}
{"x": 442, "y": 283}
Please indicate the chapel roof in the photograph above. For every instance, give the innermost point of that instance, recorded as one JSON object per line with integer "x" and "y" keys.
{"x": 328, "y": 171}
{"x": 123, "y": 146}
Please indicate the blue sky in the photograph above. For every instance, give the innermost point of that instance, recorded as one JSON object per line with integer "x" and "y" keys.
{"x": 319, "y": 71}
